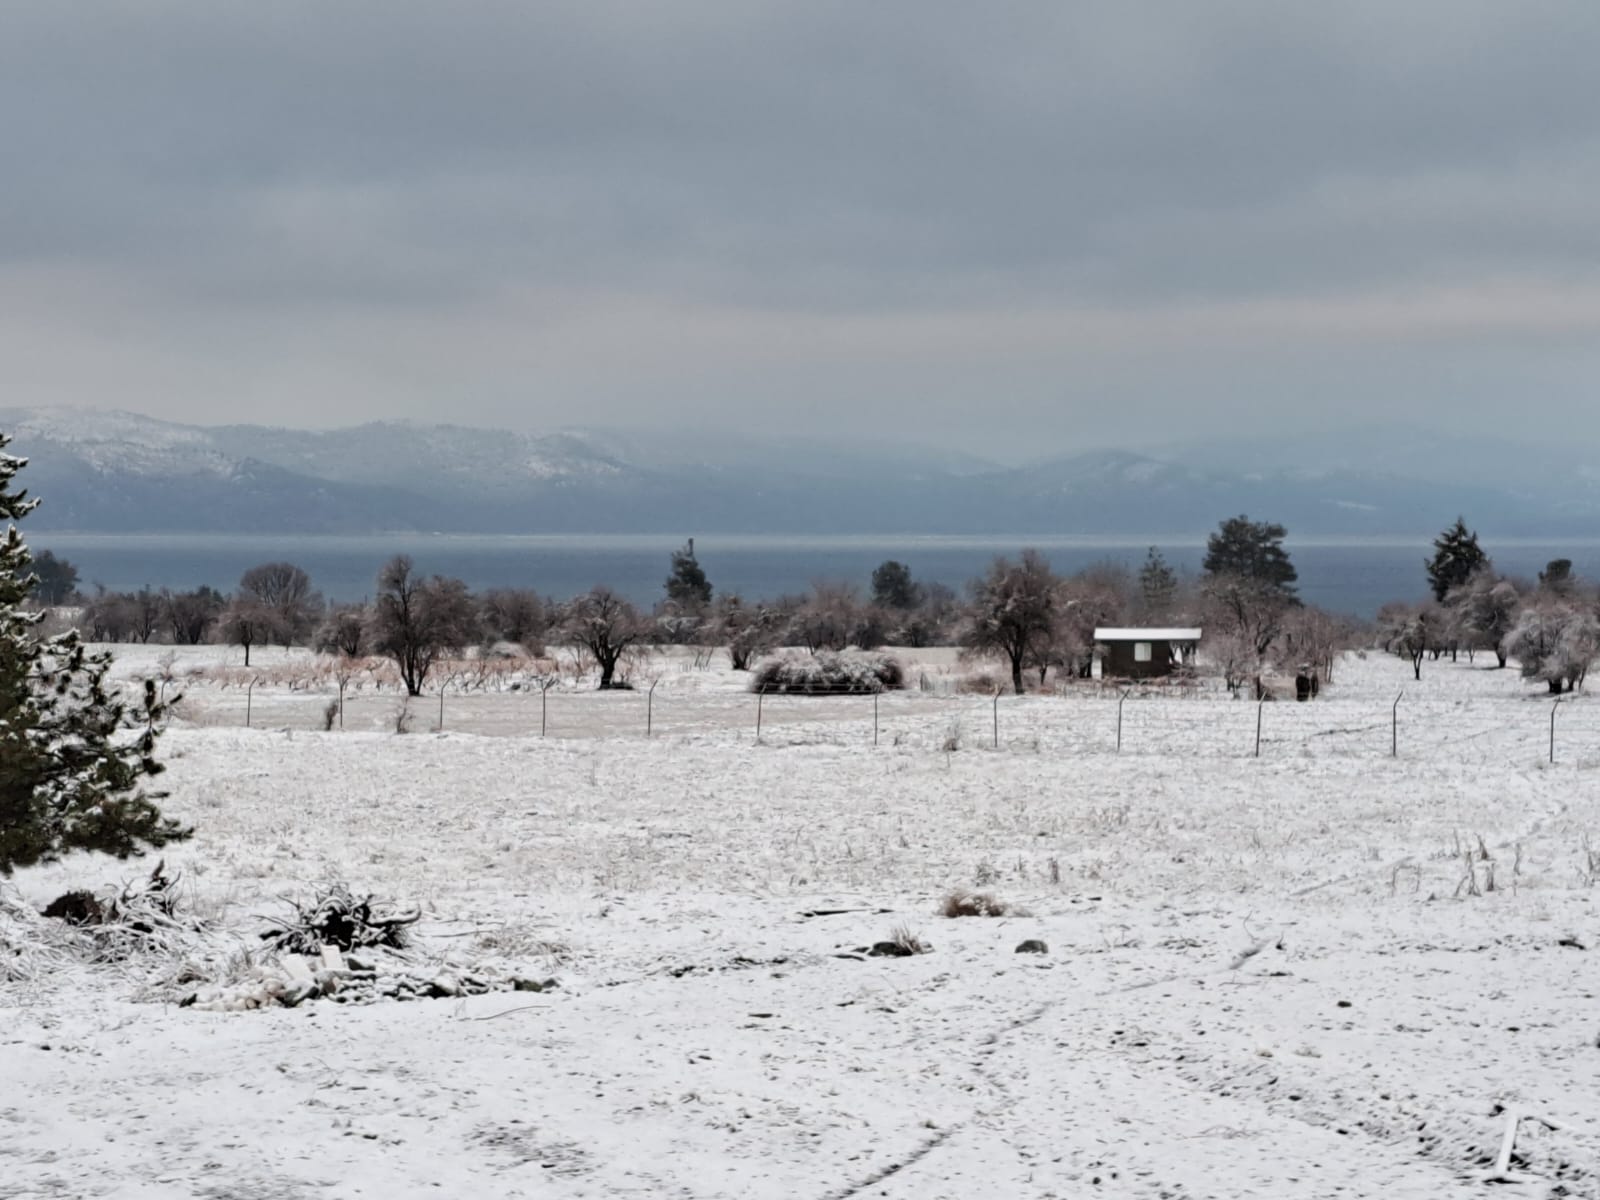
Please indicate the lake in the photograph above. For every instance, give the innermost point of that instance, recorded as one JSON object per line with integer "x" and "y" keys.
{"x": 1342, "y": 575}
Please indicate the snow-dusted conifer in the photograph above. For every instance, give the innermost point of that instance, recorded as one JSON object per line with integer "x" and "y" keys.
{"x": 74, "y": 753}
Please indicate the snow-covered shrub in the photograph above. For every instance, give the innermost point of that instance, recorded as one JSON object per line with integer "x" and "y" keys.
{"x": 1555, "y": 641}
{"x": 829, "y": 673}
{"x": 962, "y": 903}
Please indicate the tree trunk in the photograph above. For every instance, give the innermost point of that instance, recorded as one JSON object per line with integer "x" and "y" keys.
{"x": 1500, "y": 658}
{"x": 1016, "y": 673}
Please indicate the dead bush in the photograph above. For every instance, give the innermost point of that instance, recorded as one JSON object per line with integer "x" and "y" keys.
{"x": 338, "y": 917}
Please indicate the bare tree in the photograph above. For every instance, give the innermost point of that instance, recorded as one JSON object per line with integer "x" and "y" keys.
{"x": 343, "y": 631}
{"x": 515, "y": 615}
{"x": 1253, "y": 608}
{"x": 144, "y": 608}
{"x": 107, "y": 617}
{"x": 935, "y": 619}
{"x": 827, "y": 618}
{"x": 246, "y": 623}
{"x": 284, "y": 591}
{"x": 1315, "y": 638}
{"x": 190, "y": 615}
{"x": 605, "y": 625}
{"x": 416, "y": 622}
{"x": 1099, "y": 595}
{"x": 748, "y": 631}
{"x": 1013, "y": 611}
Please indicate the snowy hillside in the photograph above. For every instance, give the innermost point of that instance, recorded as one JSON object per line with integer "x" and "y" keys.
{"x": 117, "y": 472}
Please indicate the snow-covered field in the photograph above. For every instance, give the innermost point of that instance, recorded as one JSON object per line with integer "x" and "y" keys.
{"x": 1320, "y": 971}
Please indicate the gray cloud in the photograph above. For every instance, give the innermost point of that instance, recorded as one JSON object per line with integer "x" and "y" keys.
{"x": 1084, "y": 218}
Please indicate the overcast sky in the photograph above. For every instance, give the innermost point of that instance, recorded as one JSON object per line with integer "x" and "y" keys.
{"x": 1015, "y": 228}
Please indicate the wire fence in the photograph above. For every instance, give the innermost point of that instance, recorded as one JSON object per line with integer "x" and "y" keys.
{"x": 1087, "y": 722}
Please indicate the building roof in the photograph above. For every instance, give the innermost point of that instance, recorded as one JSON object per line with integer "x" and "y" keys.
{"x": 1147, "y": 635}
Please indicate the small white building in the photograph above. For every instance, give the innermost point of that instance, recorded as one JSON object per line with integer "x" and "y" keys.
{"x": 1144, "y": 653}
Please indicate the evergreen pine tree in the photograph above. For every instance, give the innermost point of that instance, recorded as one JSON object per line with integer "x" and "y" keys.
{"x": 892, "y": 586}
{"x": 1252, "y": 551}
{"x": 1456, "y": 555}
{"x": 73, "y": 752}
{"x": 688, "y": 589}
{"x": 1158, "y": 585}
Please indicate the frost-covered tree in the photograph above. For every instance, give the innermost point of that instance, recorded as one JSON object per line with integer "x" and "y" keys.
{"x": 1555, "y": 640}
{"x": 75, "y": 753}
{"x": 418, "y": 621}
{"x": 1487, "y": 605}
{"x": 343, "y": 631}
{"x": 1410, "y": 631}
{"x": 605, "y": 625}
{"x": 1314, "y": 638}
{"x": 828, "y": 618}
{"x": 747, "y": 630}
{"x": 1456, "y": 555}
{"x": 1094, "y": 597}
{"x": 1013, "y": 611}
{"x": 1253, "y": 608}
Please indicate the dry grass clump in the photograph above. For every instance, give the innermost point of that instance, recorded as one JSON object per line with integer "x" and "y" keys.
{"x": 962, "y": 903}
{"x": 902, "y": 943}
{"x": 143, "y": 917}
{"x": 519, "y": 941}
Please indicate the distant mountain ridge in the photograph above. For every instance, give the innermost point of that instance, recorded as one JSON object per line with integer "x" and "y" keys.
{"x": 109, "y": 472}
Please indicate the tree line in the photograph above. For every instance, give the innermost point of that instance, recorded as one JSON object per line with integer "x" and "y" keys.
{"x": 1550, "y": 625}
{"x": 1020, "y": 610}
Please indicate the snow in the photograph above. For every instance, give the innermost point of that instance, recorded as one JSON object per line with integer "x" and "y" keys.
{"x": 1267, "y": 976}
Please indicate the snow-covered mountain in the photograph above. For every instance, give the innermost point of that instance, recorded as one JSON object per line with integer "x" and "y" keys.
{"x": 120, "y": 472}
